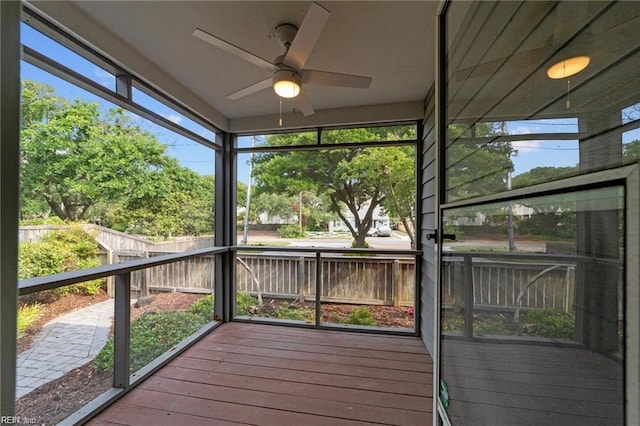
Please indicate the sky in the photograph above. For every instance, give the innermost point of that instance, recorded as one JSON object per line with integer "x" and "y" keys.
{"x": 531, "y": 153}
{"x": 190, "y": 154}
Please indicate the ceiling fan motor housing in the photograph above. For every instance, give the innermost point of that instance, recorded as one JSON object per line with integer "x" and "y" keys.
{"x": 285, "y": 33}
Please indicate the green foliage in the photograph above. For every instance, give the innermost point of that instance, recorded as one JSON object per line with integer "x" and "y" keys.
{"x": 290, "y": 231}
{"x": 493, "y": 325}
{"x": 60, "y": 251}
{"x": 543, "y": 174}
{"x": 631, "y": 151}
{"x": 361, "y": 316}
{"x": 152, "y": 334}
{"x": 354, "y": 244}
{"x": 455, "y": 230}
{"x": 244, "y": 302}
{"x": 79, "y": 162}
{"x": 357, "y": 180}
{"x": 53, "y": 220}
{"x": 476, "y": 168}
{"x": 549, "y": 323}
{"x": 285, "y": 311}
{"x": 27, "y": 315}
{"x": 203, "y": 308}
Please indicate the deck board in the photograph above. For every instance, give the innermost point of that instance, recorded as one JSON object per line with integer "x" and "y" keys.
{"x": 272, "y": 375}
{"x": 531, "y": 384}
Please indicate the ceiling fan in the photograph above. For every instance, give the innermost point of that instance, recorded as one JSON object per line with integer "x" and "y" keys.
{"x": 288, "y": 72}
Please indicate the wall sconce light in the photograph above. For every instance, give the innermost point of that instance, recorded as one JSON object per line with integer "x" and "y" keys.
{"x": 566, "y": 68}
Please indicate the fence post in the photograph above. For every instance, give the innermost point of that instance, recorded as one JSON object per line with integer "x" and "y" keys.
{"x": 121, "y": 331}
{"x": 396, "y": 282}
{"x": 111, "y": 255}
{"x": 318, "y": 287}
{"x": 468, "y": 295}
{"x": 146, "y": 279}
{"x": 302, "y": 279}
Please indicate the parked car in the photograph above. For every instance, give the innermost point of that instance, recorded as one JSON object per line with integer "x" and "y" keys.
{"x": 380, "y": 231}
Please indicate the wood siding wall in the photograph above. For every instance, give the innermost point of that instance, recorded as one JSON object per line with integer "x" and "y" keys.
{"x": 428, "y": 223}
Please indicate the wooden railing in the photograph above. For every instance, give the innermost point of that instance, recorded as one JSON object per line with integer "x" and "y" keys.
{"x": 507, "y": 282}
{"x": 379, "y": 280}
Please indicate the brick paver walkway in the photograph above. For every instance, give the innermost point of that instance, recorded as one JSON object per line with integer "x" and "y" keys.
{"x": 65, "y": 343}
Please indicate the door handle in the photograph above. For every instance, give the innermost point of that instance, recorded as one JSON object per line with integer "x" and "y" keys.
{"x": 434, "y": 236}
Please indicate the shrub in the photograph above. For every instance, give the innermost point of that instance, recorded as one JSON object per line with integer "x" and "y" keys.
{"x": 60, "y": 251}
{"x": 290, "y": 231}
{"x": 353, "y": 244}
{"x": 492, "y": 325}
{"x": 152, "y": 334}
{"x": 244, "y": 301}
{"x": 548, "y": 323}
{"x": 203, "y": 307}
{"x": 285, "y": 311}
{"x": 38, "y": 221}
{"x": 361, "y": 316}
{"x": 27, "y": 315}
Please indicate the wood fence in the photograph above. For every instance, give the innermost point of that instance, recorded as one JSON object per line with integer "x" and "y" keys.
{"x": 113, "y": 240}
{"x": 345, "y": 279}
{"x": 509, "y": 284}
{"x": 496, "y": 284}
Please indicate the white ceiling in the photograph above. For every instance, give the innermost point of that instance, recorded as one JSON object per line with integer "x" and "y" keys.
{"x": 390, "y": 41}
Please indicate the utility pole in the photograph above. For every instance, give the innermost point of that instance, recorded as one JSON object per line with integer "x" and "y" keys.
{"x": 245, "y": 233}
{"x": 300, "y": 212}
{"x": 512, "y": 243}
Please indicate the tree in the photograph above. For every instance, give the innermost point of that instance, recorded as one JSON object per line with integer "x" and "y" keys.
{"x": 631, "y": 151}
{"x": 175, "y": 201}
{"x": 543, "y": 174}
{"x": 556, "y": 215}
{"x": 73, "y": 157}
{"x": 400, "y": 186}
{"x": 351, "y": 179}
{"x": 78, "y": 162}
{"x": 475, "y": 163}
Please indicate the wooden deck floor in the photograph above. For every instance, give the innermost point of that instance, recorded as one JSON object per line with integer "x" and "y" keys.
{"x": 270, "y": 375}
{"x": 526, "y": 384}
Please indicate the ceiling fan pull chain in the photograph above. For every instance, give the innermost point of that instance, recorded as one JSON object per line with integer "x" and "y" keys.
{"x": 568, "y": 94}
{"x": 280, "y": 121}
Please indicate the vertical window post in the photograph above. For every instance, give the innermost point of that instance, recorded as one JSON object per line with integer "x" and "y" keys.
{"x": 122, "y": 331}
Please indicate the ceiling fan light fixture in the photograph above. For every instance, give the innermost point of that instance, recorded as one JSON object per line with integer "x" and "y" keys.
{"x": 568, "y": 67}
{"x": 286, "y": 83}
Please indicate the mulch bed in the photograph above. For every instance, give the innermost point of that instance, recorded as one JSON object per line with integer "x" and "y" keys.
{"x": 53, "y": 402}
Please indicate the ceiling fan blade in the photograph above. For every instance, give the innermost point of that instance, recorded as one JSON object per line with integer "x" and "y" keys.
{"x": 303, "y": 103}
{"x": 325, "y": 78}
{"x": 306, "y": 37}
{"x": 234, "y": 50}
{"x": 255, "y": 87}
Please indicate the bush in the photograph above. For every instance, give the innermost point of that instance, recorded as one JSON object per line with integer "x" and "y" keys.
{"x": 353, "y": 244}
{"x": 548, "y": 323}
{"x": 244, "y": 302}
{"x": 27, "y": 315}
{"x": 60, "y": 251}
{"x": 290, "y": 231}
{"x": 285, "y": 311}
{"x": 203, "y": 308}
{"x": 152, "y": 334}
{"x": 494, "y": 325}
{"x": 39, "y": 221}
{"x": 361, "y": 316}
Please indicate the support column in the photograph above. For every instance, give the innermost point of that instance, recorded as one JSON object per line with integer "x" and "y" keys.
{"x": 225, "y": 227}
{"x": 9, "y": 203}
